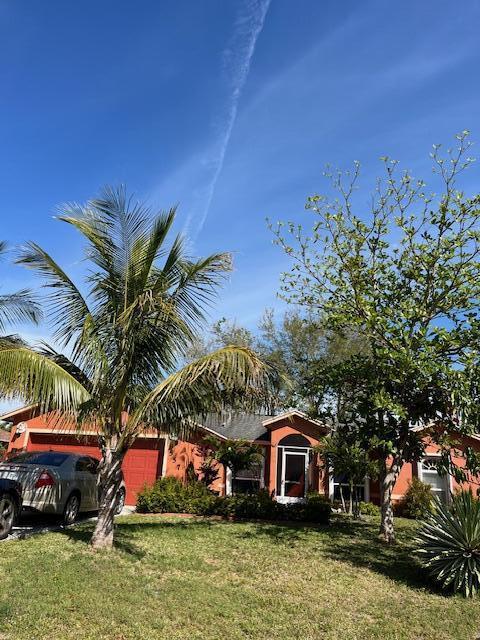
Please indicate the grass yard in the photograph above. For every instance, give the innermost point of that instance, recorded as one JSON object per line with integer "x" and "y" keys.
{"x": 197, "y": 579}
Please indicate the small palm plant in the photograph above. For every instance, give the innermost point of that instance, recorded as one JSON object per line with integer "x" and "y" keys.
{"x": 449, "y": 544}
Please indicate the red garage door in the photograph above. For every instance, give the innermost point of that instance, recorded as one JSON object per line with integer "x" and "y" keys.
{"x": 142, "y": 464}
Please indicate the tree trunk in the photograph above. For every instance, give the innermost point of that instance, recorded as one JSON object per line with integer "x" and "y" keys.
{"x": 356, "y": 504}
{"x": 109, "y": 481}
{"x": 387, "y": 482}
{"x": 350, "y": 501}
{"x": 342, "y": 499}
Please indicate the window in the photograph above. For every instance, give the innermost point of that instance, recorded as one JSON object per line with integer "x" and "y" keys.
{"x": 294, "y": 440}
{"x": 88, "y": 465}
{"x": 248, "y": 480}
{"x": 342, "y": 487}
{"x": 94, "y": 465}
{"x": 428, "y": 473}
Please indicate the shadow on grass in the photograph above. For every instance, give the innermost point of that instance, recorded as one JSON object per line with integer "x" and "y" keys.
{"x": 352, "y": 542}
{"x": 126, "y": 532}
{"x": 357, "y": 544}
{"x": 122, "y": 542}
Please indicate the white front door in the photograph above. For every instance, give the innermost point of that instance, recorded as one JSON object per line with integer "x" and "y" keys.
{"x": 293, "y": 486}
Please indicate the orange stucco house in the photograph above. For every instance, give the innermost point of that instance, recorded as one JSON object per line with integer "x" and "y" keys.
{"x": 289, "y": 469}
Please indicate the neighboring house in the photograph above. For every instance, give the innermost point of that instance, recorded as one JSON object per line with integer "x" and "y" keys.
{"x": 289, "y": 470}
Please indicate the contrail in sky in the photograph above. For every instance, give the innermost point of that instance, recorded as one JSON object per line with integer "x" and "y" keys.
{"x": 237, "y": 60}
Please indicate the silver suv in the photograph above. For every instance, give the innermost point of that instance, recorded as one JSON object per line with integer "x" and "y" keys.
{"x": 57, "y": 482}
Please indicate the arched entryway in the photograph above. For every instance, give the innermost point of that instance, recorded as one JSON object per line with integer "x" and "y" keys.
{"x": 294, "y": 455}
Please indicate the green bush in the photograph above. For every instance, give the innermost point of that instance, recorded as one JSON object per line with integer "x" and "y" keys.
{"x": 449, "y": 544}
{"x": 169, "y": 495}
{"x": 418, "y": 500}
{"x": 369, "y": 509}
{"x": 317, "y": 508}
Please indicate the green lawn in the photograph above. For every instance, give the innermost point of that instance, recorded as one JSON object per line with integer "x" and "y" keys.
{"x": 192, "y": 578}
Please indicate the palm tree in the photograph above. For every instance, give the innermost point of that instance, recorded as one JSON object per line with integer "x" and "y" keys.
{"x": 16, "y": 307}
{"x": 123, "y": 338}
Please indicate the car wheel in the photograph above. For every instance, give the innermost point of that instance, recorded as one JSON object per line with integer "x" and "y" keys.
{"x": 120, "y": 501}
{"x": 72, "y": 509}
{"x": 8, "y": 509}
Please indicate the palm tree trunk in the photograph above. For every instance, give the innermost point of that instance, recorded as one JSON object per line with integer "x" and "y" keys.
{"x": 109, "y": 480}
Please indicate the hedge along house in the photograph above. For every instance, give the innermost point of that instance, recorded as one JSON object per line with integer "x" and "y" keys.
{"x": 289, "y": 470}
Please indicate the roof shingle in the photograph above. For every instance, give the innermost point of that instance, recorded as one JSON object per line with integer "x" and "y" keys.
{"x": 239, "y": 426}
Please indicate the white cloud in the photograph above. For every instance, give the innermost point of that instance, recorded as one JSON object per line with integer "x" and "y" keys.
{"x": 237, "y": 60}
{"x": 199, "y": 175}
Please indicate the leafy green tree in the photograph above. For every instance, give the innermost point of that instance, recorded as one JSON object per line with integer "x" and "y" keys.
{"x": 292, "y": 345}
{"x": 405, "y": 274}
{"x": 220, "y": 334}
{"x": 226, "y": 332}
{"x": 143, "y": 305}
{"x": 323, "y": 387}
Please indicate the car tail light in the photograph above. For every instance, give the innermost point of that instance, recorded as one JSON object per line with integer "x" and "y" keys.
{"x": 44, "y": 480}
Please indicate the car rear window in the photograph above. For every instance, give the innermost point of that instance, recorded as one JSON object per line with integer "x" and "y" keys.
{"x": 49, "y": 458}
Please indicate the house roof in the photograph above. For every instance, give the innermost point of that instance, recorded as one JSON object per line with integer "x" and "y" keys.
{"x": 292, "y": 413}
{"x": 251, "y": 426}
{"x": 240, "y": 427}
{"x": 424, "y": 427}
{"x": 18, "y": 411}
{"x": 4, "y": 436}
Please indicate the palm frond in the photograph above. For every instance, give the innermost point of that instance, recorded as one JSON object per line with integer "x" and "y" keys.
{"x": 197, "y": 285}
{"x": 231, "y": 377}
{"x": 200, "y": 278}
{"x": 148, "y": 249}
{"x": 67, "y": 307}
{"x": 36, "y": 378}
{"x": 66, "y": 364}
{"x": 12, "y": 340}
{"x": 18, "y": 307}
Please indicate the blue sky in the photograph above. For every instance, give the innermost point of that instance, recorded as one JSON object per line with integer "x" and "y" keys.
{"x": 230, "y": 108}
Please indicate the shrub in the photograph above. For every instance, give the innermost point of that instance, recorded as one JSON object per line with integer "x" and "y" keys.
{"x": 449, "y": 544}
{"x": 256, "y": 506}
{"x": 369, "y": 509}
{"x": 317, "y": 508}
{"x": 418, "y": 500}
{"x": 169, "y": 495}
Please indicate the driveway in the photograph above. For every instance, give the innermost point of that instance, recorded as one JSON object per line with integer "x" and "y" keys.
{"x": 33, "y": 523}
